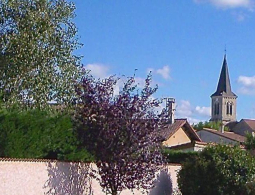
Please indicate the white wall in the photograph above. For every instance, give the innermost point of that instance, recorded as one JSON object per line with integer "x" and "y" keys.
{"x": 23, "y": 177}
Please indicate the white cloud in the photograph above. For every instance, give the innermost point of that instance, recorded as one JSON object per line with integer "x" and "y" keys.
{"x": 164, "y": 71}
{"x": 101, "y": 71}
{"x": 204, "y": 111}
{"x": 246, "y": 81}
{"x": 184, "y": 109}
{"x": 247, "y": 85}
{"x": 116, "y": 89}
{"x": 246, "y": 91}
{"x": 194, "y": 120}
{"x": 139, "y": 81}
{"x": 229, "y": 3}
{"x": 98, "y": 70}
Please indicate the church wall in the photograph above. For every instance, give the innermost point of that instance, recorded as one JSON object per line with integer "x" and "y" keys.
{"x": 216, "y": 99}
{"x": 226, "y": 116}
{"x": 223, "y": 108}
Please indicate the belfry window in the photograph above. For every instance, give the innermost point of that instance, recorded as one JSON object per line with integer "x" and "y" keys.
{"x": 216, "y": 108}
{"x": 229, "y": 109}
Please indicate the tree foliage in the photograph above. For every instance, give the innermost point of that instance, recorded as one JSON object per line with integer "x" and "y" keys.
{"x": 178, "y": 156}
{"x": 120, "y": 131}
{"x": 219, "y": 170}
{"x": 37, "y": 41}
{"x": 211, "y": 124}
{"x": 39, "y": 134}
{"x": 250, "y": 142}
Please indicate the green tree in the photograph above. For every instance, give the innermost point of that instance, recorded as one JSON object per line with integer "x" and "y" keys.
{"x": 37, "y": 44}
{"x": 39, "y": 134}
{"x": 211, "y": 124}
{"x": 249, "y": 142}
{"x": 217, "y": 170}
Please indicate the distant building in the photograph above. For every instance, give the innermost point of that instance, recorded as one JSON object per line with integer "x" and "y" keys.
{"x": 214, "y": 136}
{"x": 245, "y": 126}
{"x": 223, "y": 110}
{"x": 223, "y": 106}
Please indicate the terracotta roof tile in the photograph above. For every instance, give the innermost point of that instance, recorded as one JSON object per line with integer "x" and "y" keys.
{"x": 170, "y": 129}
{"x": 229, "y": 135}
{"x": 250, "y": 123}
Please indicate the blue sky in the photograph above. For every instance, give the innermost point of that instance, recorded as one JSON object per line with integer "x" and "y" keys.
{"x": 182, "y": 42}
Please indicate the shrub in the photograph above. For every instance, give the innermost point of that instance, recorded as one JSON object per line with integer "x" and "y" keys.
{"x": 217, "y": 170}
{"x": 176, "y": 156}
{"x": 39, "y": 134}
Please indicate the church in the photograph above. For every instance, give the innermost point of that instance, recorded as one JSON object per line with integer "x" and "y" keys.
{"x": 223, "y": 110}
{"x": 180, "y": 135}
{"x": 223, "y": 106}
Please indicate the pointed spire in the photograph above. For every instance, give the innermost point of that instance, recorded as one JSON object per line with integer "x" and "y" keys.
{"x": 224, "y": 87}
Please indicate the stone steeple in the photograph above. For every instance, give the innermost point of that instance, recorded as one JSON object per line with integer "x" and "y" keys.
{"x": 224, "y": 87}
{"x": 223, "y": 107}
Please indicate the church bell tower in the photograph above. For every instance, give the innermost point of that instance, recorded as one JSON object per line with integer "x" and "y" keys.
{"x": 223, "y": 106}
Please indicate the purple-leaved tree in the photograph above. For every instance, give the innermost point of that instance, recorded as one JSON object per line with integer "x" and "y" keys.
{"x": 121, "y": 131}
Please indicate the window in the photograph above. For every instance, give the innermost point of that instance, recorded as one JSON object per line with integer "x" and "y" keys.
{"x": 229, "y": 109}
{"x": 216, "y": 108}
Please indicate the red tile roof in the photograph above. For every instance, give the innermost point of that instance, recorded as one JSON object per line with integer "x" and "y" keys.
{"x": 250, "y": 123}
{"x": 226, "y": 134}
{"x": 170, "y": 129}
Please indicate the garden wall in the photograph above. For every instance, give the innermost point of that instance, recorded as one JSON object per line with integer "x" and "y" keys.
{"x": 44, "y": 177}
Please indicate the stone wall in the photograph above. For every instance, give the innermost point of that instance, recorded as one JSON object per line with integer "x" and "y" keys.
{"x": 42, "y": 177}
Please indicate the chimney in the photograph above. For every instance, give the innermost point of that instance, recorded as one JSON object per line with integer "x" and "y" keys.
{"x": 170, "y": 104}
{"x": 222, "y": 126}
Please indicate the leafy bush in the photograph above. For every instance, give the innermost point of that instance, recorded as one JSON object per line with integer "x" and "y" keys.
{"x": 249, "y": 142}
{"x": 39, "y": 134}
{"x": 176, "y": 156}
{"x": 217, "y": 170}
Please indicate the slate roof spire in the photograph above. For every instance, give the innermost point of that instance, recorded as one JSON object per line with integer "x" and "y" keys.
{"x": 224, "y": 87}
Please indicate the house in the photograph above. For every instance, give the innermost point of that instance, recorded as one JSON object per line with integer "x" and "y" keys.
{"x": 244, "y": 126}
{"x": 180, "y": 135}
{"x": 220, "y": 137}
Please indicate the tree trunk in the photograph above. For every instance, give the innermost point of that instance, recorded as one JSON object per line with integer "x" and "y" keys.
{"x": 114, "y": 193}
